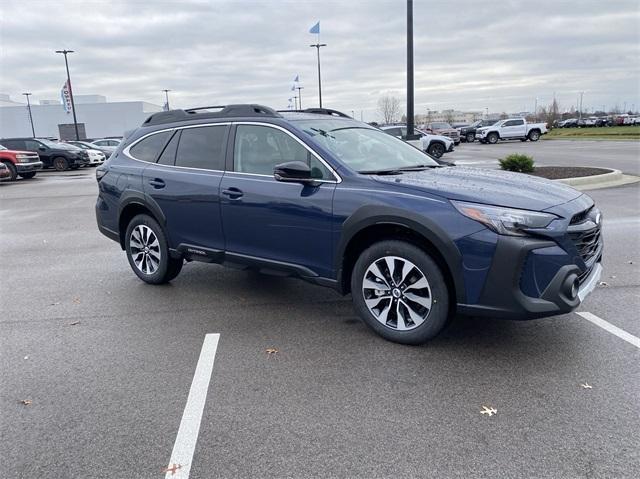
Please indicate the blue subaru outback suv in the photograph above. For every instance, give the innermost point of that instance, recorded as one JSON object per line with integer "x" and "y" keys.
{"x": 318, "y": 195}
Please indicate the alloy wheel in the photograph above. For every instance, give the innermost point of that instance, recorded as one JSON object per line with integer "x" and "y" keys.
{"x": 145, "y": 249}
{"x": 397, "y": 293}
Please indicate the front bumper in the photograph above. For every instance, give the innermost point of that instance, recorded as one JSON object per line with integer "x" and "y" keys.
{"x": 533, "y": 278}
{"x": 28, "y": 167}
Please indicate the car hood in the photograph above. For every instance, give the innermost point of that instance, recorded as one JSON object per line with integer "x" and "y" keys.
{"x": 429, "y": 136}
{"x": 502, "y": 188}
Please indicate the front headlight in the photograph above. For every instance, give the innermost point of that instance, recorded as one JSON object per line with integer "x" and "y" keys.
{"x": 504, "y": 221}
{"x": 24, "y": 158}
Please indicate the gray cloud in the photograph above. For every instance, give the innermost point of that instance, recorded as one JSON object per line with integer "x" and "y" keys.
{"x": 468, "y": 54}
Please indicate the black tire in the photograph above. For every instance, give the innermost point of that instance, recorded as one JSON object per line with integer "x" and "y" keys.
{"x": 167, "y": 268}
{"x": 28, "y": 176}
{"x": 436, "y": 315}
{"x": 471, "y": 137}
{"x": 436, "y": 150}
{"x": 60, "y": 163}
{"x": 534, "y": 135}
{"x": 493, "y": 138}
{"x": 523, "y": 139}
{"x": 12, "y": 169}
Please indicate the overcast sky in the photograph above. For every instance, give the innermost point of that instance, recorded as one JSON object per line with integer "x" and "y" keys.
{"x": 468, "y": 54}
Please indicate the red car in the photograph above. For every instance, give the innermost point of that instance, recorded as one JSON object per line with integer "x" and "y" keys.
{"x": 445, "y": 129}
{"x": 20, "y": 163}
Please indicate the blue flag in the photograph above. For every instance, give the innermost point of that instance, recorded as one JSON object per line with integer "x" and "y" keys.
{"x": 315, "y": 28}
{"x": 296, "y": 80}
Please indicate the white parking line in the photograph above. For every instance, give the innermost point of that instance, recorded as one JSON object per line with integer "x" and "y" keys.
{"x": 182, "y": 454}
{"x": 621, "y": 333}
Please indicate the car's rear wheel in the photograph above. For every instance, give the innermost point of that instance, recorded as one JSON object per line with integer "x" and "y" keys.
{"x": 436, "y": 150}
{"x": 60, "y": 163}
{"x": 12, "y": 170}
{"x": 534, "y": 135}
{"x": 148, "y": 251}
{"x": 400, "y": 292}
{"x": 492, "y": 138}
{"x": 28, "y": 176}
{"x": 471, "y": 137}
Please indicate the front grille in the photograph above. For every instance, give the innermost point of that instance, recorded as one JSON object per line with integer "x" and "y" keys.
{"x": 587, "y": 242}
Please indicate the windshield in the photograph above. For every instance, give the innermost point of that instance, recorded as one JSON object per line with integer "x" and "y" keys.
{"x": 362, "y": 148}
{"x": 79, "y": 144}
{"x": 53, "y": 144}
{"x": 441, "y": 126}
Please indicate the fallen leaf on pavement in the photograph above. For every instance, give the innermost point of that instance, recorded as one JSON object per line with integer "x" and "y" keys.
{"x": 75, "y": 323}
{"x": 271, "y": 351}
{"x": 603, "y": 283}
{"x": 172, "y": 469}
{"x": 76, "y": 300}
{"x": 489, "y": 411}
{"x": 55, "y": 304}
{"x": 586, "y": 386}
{"x": 26, "y": 402}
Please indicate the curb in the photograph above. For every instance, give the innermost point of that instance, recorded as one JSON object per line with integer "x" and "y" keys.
{"x": 607, "y": 180}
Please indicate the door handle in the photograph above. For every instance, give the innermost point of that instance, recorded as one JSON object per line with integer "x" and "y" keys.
{"x": 233, "y": 193}
{"x": 157, "y": 183}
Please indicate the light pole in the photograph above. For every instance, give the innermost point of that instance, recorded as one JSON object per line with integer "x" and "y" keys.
{"x": 317, "y": 46}
{"x": 166, "y": 97}
{"x": 410, "y": 116}
{"x": 581, "y": 95}
{"x": 73, "y": 105}
{"x": 535, "y": 110}
{"x": 299, "y": 95}
{"x": 33, "y": 130}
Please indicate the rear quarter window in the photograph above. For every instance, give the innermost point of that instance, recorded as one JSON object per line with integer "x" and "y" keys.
{"x": 149, "y": 148}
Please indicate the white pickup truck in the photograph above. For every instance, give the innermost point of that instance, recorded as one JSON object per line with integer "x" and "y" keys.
{"x": 511, "y": 129}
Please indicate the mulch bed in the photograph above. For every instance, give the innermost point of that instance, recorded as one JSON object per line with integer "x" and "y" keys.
{"x": 558, "y": 172}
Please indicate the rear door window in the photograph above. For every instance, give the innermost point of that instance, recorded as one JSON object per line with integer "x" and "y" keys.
{"x": 150, "y": 147}
{"x": 202, "y": 147}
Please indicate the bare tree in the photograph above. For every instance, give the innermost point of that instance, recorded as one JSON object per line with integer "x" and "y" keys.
{"x": 449, "y": 116}
{"x": 389, "y": 108}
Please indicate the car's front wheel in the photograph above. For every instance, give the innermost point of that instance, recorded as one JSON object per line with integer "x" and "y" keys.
{"x": 493, "y": 138}
{"x": 400, "y": 292}
{"x": 471, "y": 137}
{"x": 60, "y": 163}
{"x": 13, "y": 172}
{"x": 436, "y": 150}
{"x": 148, "y": 251}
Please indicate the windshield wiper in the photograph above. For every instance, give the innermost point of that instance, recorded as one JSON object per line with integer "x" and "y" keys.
{"x": 388, "y": 171}
{"x": 397, "y": 170}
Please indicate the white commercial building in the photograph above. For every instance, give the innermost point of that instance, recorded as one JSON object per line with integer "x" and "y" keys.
{"x": 100, "y": 118}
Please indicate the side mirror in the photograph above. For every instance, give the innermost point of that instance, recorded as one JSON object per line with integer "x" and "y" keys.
{"x": 293, "y": 172}
{"x": 42, "y": 148}
{"x": 429, "y": 130}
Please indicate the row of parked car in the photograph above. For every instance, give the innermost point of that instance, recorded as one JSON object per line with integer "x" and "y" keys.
{"x": 622, "y": 120}
{"x": 23, "y": 157}
{"x": 439, "y": 138}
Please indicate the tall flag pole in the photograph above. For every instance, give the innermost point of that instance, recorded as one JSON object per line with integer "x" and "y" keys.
{"x": 316, "y": 29}
{"x": 296, "y": 86}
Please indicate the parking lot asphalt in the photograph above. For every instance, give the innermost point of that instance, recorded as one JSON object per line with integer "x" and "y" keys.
{"x": 620, "y": 155}
{"x": 107, "y": 363}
